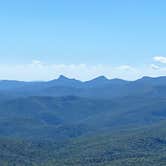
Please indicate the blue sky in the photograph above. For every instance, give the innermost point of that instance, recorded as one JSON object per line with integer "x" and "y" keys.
{"x": 105, "y": 35}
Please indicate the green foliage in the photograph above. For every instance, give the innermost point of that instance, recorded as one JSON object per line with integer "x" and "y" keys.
{"x": 145, "y": 147}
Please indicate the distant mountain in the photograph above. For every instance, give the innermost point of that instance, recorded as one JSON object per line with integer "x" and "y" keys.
{"x": 64, "y": 81}
{"x": 97, "y": 81}
{"x": 100, "y": 87}
{"x": 103, "y": 81}
{"x": 98, "y": 104}
{"x": 69, "y": 122}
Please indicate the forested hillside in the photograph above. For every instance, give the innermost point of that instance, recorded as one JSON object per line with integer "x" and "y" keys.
{"x": 67, "y": 122}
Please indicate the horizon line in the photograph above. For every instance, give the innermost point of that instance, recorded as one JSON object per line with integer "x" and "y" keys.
{"x": 94, "y": 78}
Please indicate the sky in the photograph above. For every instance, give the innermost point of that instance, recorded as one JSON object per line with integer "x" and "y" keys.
{"x": 42, "y": 39}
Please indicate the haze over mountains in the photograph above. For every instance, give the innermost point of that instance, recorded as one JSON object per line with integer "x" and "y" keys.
{"x": 96, "y": 104}
{"x": 62, "y": 111}
{"x": 98, "y": 88}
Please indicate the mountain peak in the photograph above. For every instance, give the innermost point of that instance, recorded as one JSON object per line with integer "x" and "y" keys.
{"x": 97, "y": 81}
{"x": 65, "y": 81}
{"x": 101, "y": 78}
{"x": 146, "y": 77}
{"x": 62, "y": 77}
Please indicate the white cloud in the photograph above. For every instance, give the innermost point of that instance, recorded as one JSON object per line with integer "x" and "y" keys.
{"x": 125, "y": 68}
{"x": 37, "y": 70}
{"x": 154, "y": 67}
{"x": 160, "y": 59}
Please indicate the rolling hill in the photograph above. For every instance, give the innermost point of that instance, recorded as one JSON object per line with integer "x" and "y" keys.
{"x": 68, "y": 122}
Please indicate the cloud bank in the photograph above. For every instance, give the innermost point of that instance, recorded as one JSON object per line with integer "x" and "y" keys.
{"x": 160, "y": 59}
{"x": 37, "y": 70}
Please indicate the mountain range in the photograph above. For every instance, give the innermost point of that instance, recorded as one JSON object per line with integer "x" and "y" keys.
{"x": 100, "y": 87}
{"x": 62, "y": 117}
